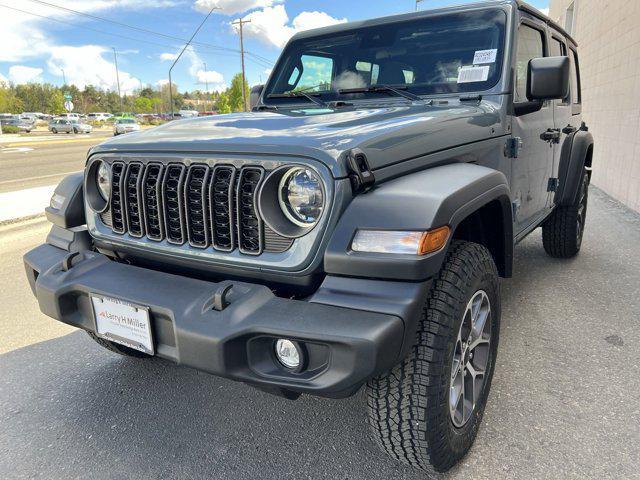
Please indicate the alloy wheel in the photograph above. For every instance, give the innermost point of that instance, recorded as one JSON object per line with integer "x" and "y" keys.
{"x": 470, "y": 359}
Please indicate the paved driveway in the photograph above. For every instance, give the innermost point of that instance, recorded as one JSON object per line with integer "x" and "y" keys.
{"x": 565, "y": 401}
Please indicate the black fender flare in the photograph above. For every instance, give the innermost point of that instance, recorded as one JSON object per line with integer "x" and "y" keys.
{"x": 575, "y": 149}
{"x": 70, "y": 193}
{"x": 420, "y": 201}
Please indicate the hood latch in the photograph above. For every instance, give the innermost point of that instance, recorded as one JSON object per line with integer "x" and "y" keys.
{"x": 360, "y": 173}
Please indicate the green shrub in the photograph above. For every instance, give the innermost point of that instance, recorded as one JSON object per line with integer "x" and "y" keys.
{"x": 10, "y": 129}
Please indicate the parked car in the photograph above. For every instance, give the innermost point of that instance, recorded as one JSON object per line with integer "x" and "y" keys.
{"x": 125, "y": 125}
{"x": 349, "y": 232}
{"x": 63, "y": 125}
{"x": 70, "y": 116}
{"x": 22, "y": 124}
{"x": 188, "y": 113}
{"x": 99, "y": 116}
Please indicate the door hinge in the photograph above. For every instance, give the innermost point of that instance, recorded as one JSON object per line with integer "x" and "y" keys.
{"x": 512, "y": 147}
{"x": 552, "y": 186}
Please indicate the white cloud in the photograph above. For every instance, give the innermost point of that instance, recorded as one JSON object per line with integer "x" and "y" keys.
{"x": 3, "y": 80}
{"x": 25, "y": 37}
{"x": 86, "y": 66}
{"x": 20, "y": 74}
{"x": 231, "y": 7}
{"x": 214, "y": 80}
{"x": 271, "y": 25}
{"x": 545, "y": 11}
{"x": 168, "y": 56}
{"x": 162, "y": 82}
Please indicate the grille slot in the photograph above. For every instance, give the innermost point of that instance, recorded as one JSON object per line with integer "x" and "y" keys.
{"x": 222, "y": 209}
{"x": 250, "y": 228}
{"x": 195, "y": 198}
{"x": 133, "y": 202}
{"x": 117, "y": 209}
{"x": 172, "y": 200}
{"x": 151, "y": 187}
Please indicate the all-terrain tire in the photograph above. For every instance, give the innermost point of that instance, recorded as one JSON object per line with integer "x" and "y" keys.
{"x": 408, "y": 407}
{"x": 562, "y": 232}
{"x": 116, "y": 348}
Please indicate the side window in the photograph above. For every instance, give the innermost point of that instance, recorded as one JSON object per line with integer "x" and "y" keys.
{"x": 575, "y": 78}
{"x": 317, "y": 73}
{"x": 530, "y": 45}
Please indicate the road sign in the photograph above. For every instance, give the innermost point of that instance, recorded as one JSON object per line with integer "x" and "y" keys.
{"x": 68, "y": 105}
{"x": 68, "y": 97}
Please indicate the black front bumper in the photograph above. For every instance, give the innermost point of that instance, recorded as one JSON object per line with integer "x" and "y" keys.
{"x": 344, "y": 345}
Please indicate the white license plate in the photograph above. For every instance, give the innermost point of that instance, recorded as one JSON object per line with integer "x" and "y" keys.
{"x": 122, "y": 322}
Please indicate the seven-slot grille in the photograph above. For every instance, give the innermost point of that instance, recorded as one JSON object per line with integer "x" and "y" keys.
{"x": 203, "y": 206}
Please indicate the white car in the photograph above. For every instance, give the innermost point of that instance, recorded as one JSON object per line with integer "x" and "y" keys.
{"x": 70, "y": 116}
{"x": 98, "y": 116}
{"x": 125, "y": 125}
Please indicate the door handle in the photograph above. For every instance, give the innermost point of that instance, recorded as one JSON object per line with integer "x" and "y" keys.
{"x": 551, "y": 135}
{"x": 569, "y": 129}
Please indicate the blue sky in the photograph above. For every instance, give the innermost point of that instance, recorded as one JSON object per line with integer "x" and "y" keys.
{"x": 41, "y": 38}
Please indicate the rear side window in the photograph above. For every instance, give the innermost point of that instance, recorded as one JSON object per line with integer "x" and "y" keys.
{"x": 575, "y": 78}
{"x": 530, "y": 45}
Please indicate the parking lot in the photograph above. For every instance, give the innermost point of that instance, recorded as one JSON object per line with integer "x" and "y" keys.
{"x": 564, "y": 401}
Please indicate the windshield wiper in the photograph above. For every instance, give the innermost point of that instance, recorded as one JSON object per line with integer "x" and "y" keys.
{"x": 299, "y": 94}
{"x": 401, "y": 92}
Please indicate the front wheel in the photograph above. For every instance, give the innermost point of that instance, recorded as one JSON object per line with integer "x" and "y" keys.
{"x": 54, "y": 131}
{"x": 427, "y": 410}
{"x": 75, "y": 131}
{"x": 562, "y": 232}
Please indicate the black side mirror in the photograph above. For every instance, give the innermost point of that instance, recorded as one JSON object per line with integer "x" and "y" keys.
{"x": 255, "y": 94}
{"x": 548, "y": 78}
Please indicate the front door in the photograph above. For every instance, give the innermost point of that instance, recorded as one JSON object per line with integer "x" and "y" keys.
{"x": 532, "y": 168}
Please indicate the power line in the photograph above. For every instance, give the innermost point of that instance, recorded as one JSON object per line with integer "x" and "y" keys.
{"x": 132, "y": 27}
{"x": 257, "y": 59}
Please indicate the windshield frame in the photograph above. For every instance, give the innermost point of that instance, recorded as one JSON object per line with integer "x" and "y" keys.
{"x": 499, "y": 84}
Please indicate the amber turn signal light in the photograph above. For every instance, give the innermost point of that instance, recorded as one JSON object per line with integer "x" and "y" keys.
{"x": 433, "y": 240}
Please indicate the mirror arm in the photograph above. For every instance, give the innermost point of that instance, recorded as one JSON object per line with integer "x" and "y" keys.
{"x": 524, "y": 108}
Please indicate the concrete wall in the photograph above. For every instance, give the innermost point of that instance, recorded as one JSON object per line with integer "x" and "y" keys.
{"x": 608, "y": 36}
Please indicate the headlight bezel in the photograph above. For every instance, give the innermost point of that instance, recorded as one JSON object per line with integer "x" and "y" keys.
{"x": 92, "y": 192}
{"x": 273, "y": 210}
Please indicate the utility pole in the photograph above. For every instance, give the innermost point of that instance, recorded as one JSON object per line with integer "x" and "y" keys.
{"x": 115, "y": 57}
{"x": 206, "y": 82}
{"x": 241, "y": 23}
{"x": 64, "y": 78}
{"x": 180, "y": 54}
{"x": 417, "y": 3}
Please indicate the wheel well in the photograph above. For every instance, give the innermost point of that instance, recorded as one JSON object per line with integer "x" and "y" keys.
{"x": 491, "y": 226}
{"x": 589, "y": 160}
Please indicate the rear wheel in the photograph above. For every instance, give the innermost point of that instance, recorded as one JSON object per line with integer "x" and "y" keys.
{"x": 427, "y": 410}
{"x": 75, "y": 130}
{"x": 562, "y": 232}
{"x": 117, "y": 348}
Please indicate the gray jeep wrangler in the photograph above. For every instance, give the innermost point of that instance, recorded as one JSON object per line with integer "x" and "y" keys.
{"x": 350, "y": 231}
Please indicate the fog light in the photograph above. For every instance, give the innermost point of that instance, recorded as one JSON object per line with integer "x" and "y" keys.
{"x": 288, "y": 353}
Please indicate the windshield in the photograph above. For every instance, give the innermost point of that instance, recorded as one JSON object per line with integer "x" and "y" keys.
{"x": 451, "y": 53}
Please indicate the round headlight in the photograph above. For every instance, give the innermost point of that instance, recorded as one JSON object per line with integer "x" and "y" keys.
{"x": 301, "y": 196}
{"x": 103, "y": 180}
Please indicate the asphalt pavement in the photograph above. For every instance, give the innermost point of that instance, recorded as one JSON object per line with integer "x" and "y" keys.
{"x": 565, "y": 401}
{"x": 36, "y": 161}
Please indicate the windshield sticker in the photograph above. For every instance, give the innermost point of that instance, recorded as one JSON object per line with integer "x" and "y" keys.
{"x": 485, "y": 56}
{"x": 472, "y": 73}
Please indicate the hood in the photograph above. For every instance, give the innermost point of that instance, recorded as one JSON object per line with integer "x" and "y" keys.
{"x": 386, "y": 134}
